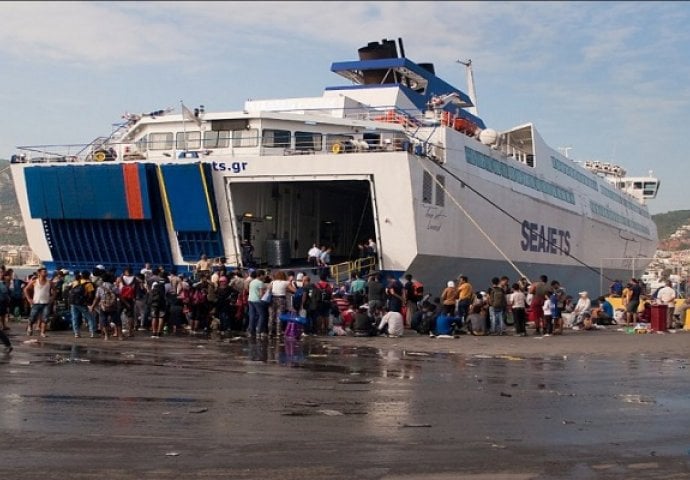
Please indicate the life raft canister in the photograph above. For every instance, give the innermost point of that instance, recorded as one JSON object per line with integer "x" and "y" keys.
{"x": 99, "y": 156}
{"x": 336, "y": 148}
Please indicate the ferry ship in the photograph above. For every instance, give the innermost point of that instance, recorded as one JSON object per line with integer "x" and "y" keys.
{"x": 397, "y": 155}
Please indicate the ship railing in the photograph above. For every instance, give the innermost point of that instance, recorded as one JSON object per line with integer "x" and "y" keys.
{"x": 341, "y": 272}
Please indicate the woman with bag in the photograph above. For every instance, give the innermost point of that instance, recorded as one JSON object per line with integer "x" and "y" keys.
{"x": 278, "y": 289}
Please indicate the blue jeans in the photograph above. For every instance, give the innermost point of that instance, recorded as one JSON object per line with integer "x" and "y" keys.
{"x": 257, "y": 318}
{"x": 79, "y": 313}
{"x": 42, "y": 309}
{"x": 497, "y": 317}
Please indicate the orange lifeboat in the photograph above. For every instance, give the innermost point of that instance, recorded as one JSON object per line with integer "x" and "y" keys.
{"x": 465, "y": 126}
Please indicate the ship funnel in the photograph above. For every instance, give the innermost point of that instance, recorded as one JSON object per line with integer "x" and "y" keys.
{"x": 376, "y": 51}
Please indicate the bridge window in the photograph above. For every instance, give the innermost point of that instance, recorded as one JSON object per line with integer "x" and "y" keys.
{"x": 276, "y": 138}
{"x": 245, "y": 138}
{"x": 188, "y": 140}
{"x": 219, "y": 139}
{"x": 161, "y": 141}
{"x": 308, "y": 141}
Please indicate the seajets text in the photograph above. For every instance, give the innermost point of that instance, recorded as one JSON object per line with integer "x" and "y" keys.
{"x": 234, "y": 167}
{"x": 545, "y": 239}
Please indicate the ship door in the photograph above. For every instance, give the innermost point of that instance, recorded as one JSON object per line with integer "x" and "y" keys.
{"x": 247, "y": 231}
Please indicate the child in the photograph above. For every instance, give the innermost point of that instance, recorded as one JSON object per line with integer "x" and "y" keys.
{"x": 548, "y": 315}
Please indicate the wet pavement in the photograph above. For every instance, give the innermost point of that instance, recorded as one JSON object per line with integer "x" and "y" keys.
{"x": 580, "y": 406}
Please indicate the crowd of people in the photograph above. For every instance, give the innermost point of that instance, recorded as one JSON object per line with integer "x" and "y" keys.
{"x": 262, "y": 303}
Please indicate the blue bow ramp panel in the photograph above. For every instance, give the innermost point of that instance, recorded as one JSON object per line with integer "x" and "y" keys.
{"x": 88, "y": 192}
{"x": 188, "y": 196}
{"x": 100, "y": 214}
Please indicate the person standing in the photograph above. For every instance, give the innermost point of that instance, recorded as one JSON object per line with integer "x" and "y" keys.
{"x": 497, "y": 307}
{"x": 394, "y": 292}
{"x": 667, "y": 296}
{"x": 313, "y": 257}
{"x": 410, "y": 297}
{"x": 518, "y": 306}
{"x": 538, "y": 291}
{"x": 257, "y": 310}
{"x": 39, "y": 294}
{"x": 465, "y": 293}
{"x": 78, "y": 296}
{"x": 5, "y": 280}
{"x": 448, "y": 298}
{"x": 633, "y": 302}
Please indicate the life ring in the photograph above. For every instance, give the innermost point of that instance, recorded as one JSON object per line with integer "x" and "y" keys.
{"x": 99, "y": 156}
{"x": 337, "y": 148}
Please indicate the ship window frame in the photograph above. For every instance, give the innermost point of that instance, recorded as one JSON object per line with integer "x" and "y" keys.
{"x": 186, "y": 140}
{"x": 440, "y": 197}
{"x": 245, "y": 138}
{"x": 427, "y": 188}
{"x": 166, "y": 143}
{"x": 276, "y": 138}
{"x": 304, "y": 139}
{"x": 217, "y": 139}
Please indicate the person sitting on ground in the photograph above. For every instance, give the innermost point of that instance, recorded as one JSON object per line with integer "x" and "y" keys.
{"x": 603, "y": 314}
{"x": 476, "y": 322}
{"x": 363, "y": 324}
{"x": 392, "y": 323}
{"x": 423, "y": 319}
{"x": 583, "y": 305}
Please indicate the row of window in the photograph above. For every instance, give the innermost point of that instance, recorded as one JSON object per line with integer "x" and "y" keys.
{"x": 574, "y": 173}
{"x": 240, "y": 138}
{"x": 428, "y": 190}
{"x": 516, "y": 175}
{"x": 604, "y": 212}
{"x": 624, "y": 201}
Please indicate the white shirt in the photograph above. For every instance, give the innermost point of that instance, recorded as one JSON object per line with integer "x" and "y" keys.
{"x": 666, "y": 295}
{"x": 395, "y": 323}
{"x": 314, "y": 252}
{"x": 517, "y": 300}
{"x": 279, "y": 288}
{"x": 41, "y": 292}
{"x": 583, "y": 305}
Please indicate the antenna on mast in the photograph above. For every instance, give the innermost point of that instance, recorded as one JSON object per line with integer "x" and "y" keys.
{"x": 470, "y": 85}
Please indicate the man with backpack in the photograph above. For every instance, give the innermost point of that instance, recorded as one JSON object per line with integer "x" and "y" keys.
{"x": 497, "y": 307}
{"x": 412, "y": 294}
{"x": 107, "y": 302}
{"x": 79, "y": 294}
{"x": 324, "y": 293}
{"x": 128, "y": 286}
{"x": 157, "y": 304}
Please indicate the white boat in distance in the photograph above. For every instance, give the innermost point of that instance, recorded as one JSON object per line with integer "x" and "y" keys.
{"x": 396, "y": 155}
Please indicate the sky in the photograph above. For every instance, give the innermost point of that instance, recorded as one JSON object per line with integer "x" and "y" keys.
{"x": 607, "y": 80}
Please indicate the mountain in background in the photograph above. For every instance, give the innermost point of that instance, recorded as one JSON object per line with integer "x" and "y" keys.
{"x": 11, "y": 225}
{"x": 671, "y": 234}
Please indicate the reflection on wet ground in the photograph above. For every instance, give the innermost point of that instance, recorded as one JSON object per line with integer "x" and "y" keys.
{"x": 595, "y": 415}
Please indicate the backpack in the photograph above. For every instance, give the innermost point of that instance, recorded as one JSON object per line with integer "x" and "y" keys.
{"x": 417, "y": 290}
{"x": 425, "y": 325}
{"x": 128, "y": 292}
{"x": 497, "y": 297}
{"x": 77, "y": 295}
{"x": 109, "y": 300}
{"x": 198, "y": 296}
{"x": 324, "y": 295}
{"x": 297, "y": 299}
{"x": 157, "y": 294}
